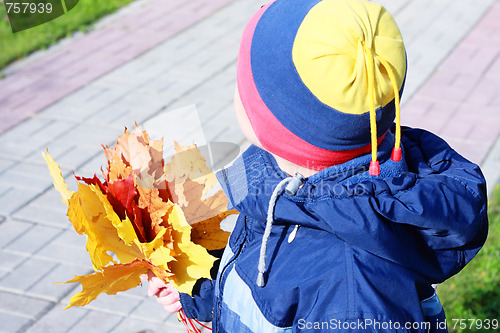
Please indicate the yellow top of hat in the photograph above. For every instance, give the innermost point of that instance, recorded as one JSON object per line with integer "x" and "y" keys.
{"x": 335, "y": 46}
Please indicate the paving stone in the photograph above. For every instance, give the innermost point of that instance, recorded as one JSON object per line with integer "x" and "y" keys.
{"x": 47, "y": 215}
{"x": 150, "y": 310}
{"x": 27, "y": 127}
{"x": 136, "y": 326}
{"x": 91, "y": 136}
{"x": 9, "y": 261}
{"x": 93, "y": 166}
{"x": 79, "y": 155}
{"x": 12, "y": 229}
{"x": 26, "y": 306}
{"x": 54, "y": 129}
{"x": 20, "y": 148}
{"x": 57, "y": 320}
{"x": 12, "y": 322}
{"x": 71, "y": 238}
{"x": 73, "y": 255}
{"x": 81, "y": 104}
{"x": 120, "y": 304}
{"x": 52, "y": 199}
{"x": 47, "y": 288}
{"x": 5, "y": 164}
{"x": 3, "y": 273}
{"x": 96, "y": 322}
{"x": 26, "y": 275}
{"x": 33, "y": 239}
{"x": 26, "y": 175}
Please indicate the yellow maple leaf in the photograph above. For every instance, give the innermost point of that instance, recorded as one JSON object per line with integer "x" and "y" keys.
{"x": 110, "y": 280}
{"x": 88, "y": 215}
{"x": 192, "y": 260}
{"x": 55, "y": 173}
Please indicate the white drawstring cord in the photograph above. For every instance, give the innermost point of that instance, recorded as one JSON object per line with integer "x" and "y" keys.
{"x": 296, "y": 182}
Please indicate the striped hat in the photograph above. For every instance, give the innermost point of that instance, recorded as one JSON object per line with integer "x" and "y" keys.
{"x": 320, "y": 81}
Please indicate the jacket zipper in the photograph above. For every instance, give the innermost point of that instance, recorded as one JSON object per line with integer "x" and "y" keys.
{"x": 229, "y": 263}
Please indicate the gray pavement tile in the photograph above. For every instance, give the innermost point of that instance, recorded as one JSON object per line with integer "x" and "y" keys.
{"x": 93, "y": 166}
{"x": 140, "y": 291}
{"x": 27, "y": 127}
{"x": 78, "y": 156}
{"x": 3, "y": 273}
{"x": 54, "y": 129}
{"x": 66, "y": 253}
{"x": 58, "y": 321}
{"x": 150, "y": 310}
{"x": 26, "y": 275}
{"x": 71, "y": 238}
{"x": 33, "y": 240}
{"x": 6, "y": 164}
{"x": 12, "y": 322}
{"x": 9, "y": 261}
{"x": 26, "y": 175}
{"x": 46, "y": 215}
{"x": 142, "y": 72}
{"x": 19, "y": 304}
{"x": 130, "y": 325}
{"x": 49, "y": 288}
{"x": 20, "y": 148}
{"x": 14, "y": 198}
{"x": 51, "y": 198}
{"x": 133, "y": 108}
{"x": 83, "y": 103}
{"x": 92, "y": 136}
{"x": 120, "y": 304}
{"x": 96, "y": 322}
{"x": 12, "y": 229}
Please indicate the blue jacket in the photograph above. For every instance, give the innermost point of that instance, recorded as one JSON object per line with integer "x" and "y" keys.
{"x": 367, "y": 249}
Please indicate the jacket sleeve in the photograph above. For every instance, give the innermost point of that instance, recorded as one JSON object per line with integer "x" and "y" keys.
{"x": 200, "y": 304}
{"x": 435, "y": 226}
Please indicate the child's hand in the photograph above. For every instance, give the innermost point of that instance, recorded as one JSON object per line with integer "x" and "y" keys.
{"x": 166, "y": 294}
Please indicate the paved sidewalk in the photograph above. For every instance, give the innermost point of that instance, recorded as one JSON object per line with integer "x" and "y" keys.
{"x": 452, "y": 88}
{"x": 67, "y": 69}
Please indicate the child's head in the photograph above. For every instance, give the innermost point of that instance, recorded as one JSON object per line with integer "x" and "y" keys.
{"x": 313, "y": 75}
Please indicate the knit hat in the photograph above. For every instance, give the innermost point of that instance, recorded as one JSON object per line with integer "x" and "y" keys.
{"x": 320, "y": 81}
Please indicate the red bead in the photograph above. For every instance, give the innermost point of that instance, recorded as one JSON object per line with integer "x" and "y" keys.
{"x": 396, "y": 154}
{"x": 374, "y": 168}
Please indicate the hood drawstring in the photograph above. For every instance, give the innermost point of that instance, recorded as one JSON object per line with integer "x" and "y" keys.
{"x": 292, "y": 185}
{"x": 374, "y": 168}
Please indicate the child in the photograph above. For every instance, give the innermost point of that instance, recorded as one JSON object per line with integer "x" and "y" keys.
{"x": 373, "y": 215}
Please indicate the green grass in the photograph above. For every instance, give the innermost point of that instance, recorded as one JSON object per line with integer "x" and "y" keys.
{"x": 475, "y": 292}
{"x": 14, "y": 46}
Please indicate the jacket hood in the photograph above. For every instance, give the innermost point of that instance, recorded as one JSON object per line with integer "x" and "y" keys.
{"x": 432, "y": 200}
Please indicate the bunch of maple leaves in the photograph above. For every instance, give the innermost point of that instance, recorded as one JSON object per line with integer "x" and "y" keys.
{"x": 151, "y": 215}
